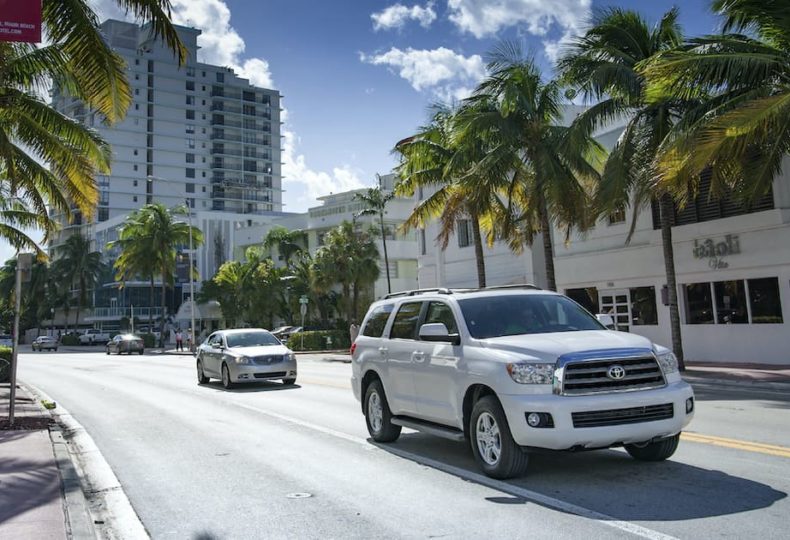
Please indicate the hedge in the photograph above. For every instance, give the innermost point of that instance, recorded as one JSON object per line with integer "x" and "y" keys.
{"x": 70, "y": 339}
{"x": 315, "y": 340}
{"x": 5, "y": 364}
{"x": 149, "y": 341}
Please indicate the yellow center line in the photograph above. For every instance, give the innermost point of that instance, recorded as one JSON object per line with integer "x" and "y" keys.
{"x": 770, "y": 449}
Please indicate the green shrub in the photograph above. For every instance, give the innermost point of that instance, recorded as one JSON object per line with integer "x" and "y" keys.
{"x": 315, "y": 340}
{"x": 5, "y": 364}
{"x": 70, "y": 340}
{"x": 149, "y": 341}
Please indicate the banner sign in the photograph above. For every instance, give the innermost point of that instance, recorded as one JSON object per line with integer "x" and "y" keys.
{"x": 20, "y": 20}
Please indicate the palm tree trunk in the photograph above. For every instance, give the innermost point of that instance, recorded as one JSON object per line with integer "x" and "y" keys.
{"x": 666, "y": 208}
{"x": 164, "y": 308}
{"x": 548, "y": 248}
{"x": 355, "y": 303}
{"x": 151, "y": 306}
{"x": 347, "y": 301}
{"x": 479, "y": 256}
{"x": 384, "y": 247}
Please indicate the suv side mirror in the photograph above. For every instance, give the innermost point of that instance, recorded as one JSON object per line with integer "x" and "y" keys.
{"x": 606, "y": 320}
{"x": 438, "y": 332}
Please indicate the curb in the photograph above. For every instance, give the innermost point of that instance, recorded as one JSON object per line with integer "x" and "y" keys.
{"x": 87, "y": 470}
{"x": 767, "y": 385}
{"x": 78, "y": 518}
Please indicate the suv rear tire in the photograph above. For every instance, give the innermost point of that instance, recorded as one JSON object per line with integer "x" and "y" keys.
{"x": 378, "y": 416}
{"x": 655, "y": 451}
{"x": 492, "y": 444}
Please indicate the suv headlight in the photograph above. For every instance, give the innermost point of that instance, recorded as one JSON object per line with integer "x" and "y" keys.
{"x": 526, "y": 373}
{"x": 243, "y": 360}
{"x": 668, "y": 362}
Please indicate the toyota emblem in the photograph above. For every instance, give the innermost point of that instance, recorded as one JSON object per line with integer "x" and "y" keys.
{"x": 616, "y": 372}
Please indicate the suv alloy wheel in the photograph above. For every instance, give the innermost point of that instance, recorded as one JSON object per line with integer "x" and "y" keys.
{"x": 377, "y": 414}
{"x": 492, "y": 444}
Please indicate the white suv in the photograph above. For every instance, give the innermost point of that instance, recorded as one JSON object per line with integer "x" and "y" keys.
{"x": 513, "y": 369}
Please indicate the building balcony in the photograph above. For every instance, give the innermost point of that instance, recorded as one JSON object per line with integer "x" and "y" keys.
{"x": 115, "y": 313}
{"x": 225, "y": 122}
{"x": 226, "y": 152}
{"x": 225, "y": 93}
{"x": 227, "y": 165}
{"x": 226, "y": 137}
{"x": 220, "y": 106}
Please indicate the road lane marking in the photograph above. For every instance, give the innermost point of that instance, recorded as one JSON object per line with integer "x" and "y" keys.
{"x": 770, "y": 449}
{"x": 498, "y": 485}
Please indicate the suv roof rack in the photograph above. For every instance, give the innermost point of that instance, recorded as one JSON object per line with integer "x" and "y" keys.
{"x": 515, "y": 286}
{"x": 440, "y": 290}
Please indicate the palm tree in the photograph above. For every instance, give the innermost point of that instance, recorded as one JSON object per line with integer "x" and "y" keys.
{"x": 604, "y": 65}
{"x": 740, "y": 132}
{"x": 436, "y": 158}
{"x": 154, "y": 231}
{"x": 15, "y": 217}
{"x": 544, "y": 170}
{"x": 374, "y": 201}
{"x": 288, "y": 243}
{"x": 83, "y": 268}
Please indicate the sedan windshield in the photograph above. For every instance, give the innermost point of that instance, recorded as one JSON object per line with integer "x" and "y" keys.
{"x": 250, "y": 339}
{"x": 510, "y": 315}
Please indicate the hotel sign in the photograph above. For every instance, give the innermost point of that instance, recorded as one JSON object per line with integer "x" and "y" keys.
{"x": 715, "y": 251}
{"x": 20, "y": 20}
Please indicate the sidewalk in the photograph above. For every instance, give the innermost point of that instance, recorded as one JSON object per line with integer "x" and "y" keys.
{"x": 766, "y": 375}
{"x": 31, "y": 496}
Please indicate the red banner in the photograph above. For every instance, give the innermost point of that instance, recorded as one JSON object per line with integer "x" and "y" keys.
{"x": 20, "y": 20}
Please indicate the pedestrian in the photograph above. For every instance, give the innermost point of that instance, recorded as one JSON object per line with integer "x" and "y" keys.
{"x": 179, "y": 340}
{"x": 189, "y": 339}
{"x": 354, "y": 331}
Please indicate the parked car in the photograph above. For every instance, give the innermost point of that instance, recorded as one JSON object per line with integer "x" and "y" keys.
{"x": 512, "y": 370}
{"x": 281, "y": 330}
{"x": 6, "y": 340}
{"x": 93, "y": 335}
{"x": 45, "y": 342}
{"x": 128, "y": 343}
{"x": 243, "y": 356}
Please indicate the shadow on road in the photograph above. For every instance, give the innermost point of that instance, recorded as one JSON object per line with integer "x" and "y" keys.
{"x": 247, "y": 388}
{"x": 770, "y": 397}
{"x": 610, "y": 482}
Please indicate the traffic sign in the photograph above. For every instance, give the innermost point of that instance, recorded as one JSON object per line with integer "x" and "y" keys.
{"x": 303, "y": 309}
{"x": 303, "y": 300}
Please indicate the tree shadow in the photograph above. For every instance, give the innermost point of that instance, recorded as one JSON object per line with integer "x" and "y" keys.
{"x": 609, "y": 482}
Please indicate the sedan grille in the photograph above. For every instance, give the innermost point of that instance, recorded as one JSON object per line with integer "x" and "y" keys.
{"x": 616, "y": 417}
{"x": 268, "y": 360}
{"x": 273, "y": 374}
{"x": 596, "y": 376}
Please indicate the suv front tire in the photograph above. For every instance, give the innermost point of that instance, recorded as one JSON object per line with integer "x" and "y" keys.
{"x": 492, "y": 444}
{"x": 378, "y": 416}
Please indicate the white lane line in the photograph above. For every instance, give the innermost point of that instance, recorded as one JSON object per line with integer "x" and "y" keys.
{"x": 534, "y": 496}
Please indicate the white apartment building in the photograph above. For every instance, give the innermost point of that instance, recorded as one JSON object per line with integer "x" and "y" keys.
{"x": 195, "y": 135}
{"x": 339, "y": 207}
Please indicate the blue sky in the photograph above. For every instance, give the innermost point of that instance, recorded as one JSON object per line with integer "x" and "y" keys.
{"x": 357, "y": 76}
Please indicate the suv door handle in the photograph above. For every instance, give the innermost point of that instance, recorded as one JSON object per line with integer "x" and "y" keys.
{"x": 418, "y": 356}
{"x": 383, "y": 350}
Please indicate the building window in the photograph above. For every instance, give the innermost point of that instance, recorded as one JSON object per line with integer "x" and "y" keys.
{"x": 464, "y": 230}
{"x": 190, "y": 187}
{"x": 190, "y": 143}
{"x": 204, "y": 187}
{"x": 190, "y": 173}
{"x": 191, "y": 85}
{"x": 586, "y": 297}
{"x": 764, "y": 301}
{"x": 643, "y": 306}
{"x": 190, "y": 158}
{"x": 220, "y": 77}
{"x": 134, "y": 167}
{"x": 134, "y": 183}
{"x": 190, "y": 128}
{"x": 393, "y": 267}
{"x": 136, "y": 91}
{"x": 104, "y": 214}
{"x": 699, "y": 304}
{"x": 134, "y": 198}
{"x": 136, "y": 107}
{"x": 191, "y": 203}
{"x": 730, "y": 299}
{"x": 190, "y": 100}
{"x": 190, "y": 114}
{"x": 617, "y": 217}
{"x": 134, "y": 151}
{"x": 190, "y": 72}
{"x": 136, "y": 61}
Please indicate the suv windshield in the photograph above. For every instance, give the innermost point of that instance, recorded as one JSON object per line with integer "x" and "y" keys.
{"x": 510, "y": 315}
{"x": 251, "y": 339}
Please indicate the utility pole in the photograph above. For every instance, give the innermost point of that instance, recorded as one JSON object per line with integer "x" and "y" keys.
{"x": 191, "y": 283}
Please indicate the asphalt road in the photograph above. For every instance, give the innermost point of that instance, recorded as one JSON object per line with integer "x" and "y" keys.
{"x": 199, "y": 462}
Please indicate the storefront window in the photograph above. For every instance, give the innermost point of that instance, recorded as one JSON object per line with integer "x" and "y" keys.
{"x": 764, "y": 300}
{"x": 643, "y": 306}
{"x": 586, "y": 298}
{"x": 699, "y": 305}
{"x": 730, "y": 302}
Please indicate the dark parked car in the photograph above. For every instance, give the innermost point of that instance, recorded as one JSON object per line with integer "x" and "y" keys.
{"x": 128, "y": 343}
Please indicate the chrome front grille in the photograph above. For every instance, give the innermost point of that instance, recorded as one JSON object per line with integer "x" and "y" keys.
{"x": 268, "y": 360}
{"x": 595, "y": 376}
{"x": 616, "y": 417}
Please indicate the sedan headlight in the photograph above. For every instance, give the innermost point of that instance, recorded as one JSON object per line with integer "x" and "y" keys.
{"x": 526, "y": 373}
{"x": 243, "y": 360}
{"x": 290, "y": 357}
{"x": 668, "y": 362}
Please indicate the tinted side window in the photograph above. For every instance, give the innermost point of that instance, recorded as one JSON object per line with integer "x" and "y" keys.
{"x": 377, "y": 321}
{"x": 405, "y": 325}
{"x": 439, "y": 312}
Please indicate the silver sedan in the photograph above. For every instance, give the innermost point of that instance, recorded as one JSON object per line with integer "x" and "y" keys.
{"x": 244, "y": 356}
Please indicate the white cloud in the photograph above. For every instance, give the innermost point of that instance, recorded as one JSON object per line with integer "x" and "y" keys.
{"x": 483, "y": 18}
{"x": 445, "y": 73}
{"x": 396, "y": 16}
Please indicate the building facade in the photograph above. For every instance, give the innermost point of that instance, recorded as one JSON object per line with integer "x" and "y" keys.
{"x": 195, "y": 135}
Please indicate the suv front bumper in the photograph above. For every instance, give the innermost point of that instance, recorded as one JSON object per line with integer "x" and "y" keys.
{"x": 564, "y": 436}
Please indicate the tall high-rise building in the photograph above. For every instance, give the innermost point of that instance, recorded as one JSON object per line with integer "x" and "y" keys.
{"x": 196, "y": 135}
